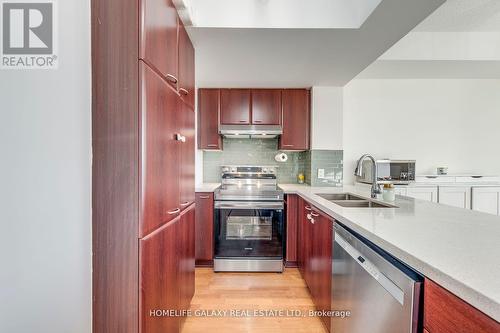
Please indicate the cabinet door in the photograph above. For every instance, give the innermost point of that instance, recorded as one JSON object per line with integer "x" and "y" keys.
{"x": 204, "y": 228}
{"x": 159, "y": 37}
{"x": 446, "y": 313}
{"x": 208, "y": 119}
{"x": 186, "y": 67}
{"x": 423, "y": 193}
{"x": 160, "y": 152}
{"x": 304, "y": 240}
{"x": 291, "y": 228}
{"x": 486, "y": 199}
{"x": 457, "y": 196}
{"x": 296, "y": 120}
{"x": 266, "y": 107}
{"x": 322, "y": 259}
{"x": 186, "y": 247}
{"x": 159, "y": 283}
{"x": 187, "y": 167}
{"x": 235, "y": 106}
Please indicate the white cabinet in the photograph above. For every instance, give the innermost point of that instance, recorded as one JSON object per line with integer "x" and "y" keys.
{"x": 457, "y": 196}
{"x": 486, "y": 199}
{"x": 400, "y": 190}
{"x": 429, "y": 193}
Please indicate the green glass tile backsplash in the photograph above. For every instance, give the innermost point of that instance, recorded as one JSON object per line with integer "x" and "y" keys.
{"x": 262, "y": 152}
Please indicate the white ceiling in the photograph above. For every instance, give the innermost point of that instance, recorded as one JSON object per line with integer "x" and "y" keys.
{"x": 461, "y": 39}
{"x": 284, "y": 14}
{"x": 248, "y": 57}
{"x": 464, "y": 15}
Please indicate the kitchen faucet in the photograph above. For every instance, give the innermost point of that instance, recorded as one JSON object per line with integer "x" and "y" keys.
{"x": 359, "y": 172}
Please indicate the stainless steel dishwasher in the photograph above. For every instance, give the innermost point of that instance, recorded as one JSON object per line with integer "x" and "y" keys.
{"x": 381, "y": 294}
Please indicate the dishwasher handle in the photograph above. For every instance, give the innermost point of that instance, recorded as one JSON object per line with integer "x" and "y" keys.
{"x": 371, "y": 269}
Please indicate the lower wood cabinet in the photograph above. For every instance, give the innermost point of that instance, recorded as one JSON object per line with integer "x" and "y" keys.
{"x": 166, "y": 268}
{"x": 204, "y": 228}
{"x": 315, "y": 255}
{"x": 446, "y": 313}
{"x": 292, "y": 209}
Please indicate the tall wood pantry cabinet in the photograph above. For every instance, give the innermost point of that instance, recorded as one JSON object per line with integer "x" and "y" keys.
{"x": 143, "y": 210}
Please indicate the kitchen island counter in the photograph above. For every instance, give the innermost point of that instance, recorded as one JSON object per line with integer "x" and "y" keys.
{"x": 456, "y": 248}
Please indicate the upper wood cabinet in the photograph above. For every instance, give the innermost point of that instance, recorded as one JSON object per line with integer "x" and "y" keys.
{"x": 208, "y": 119}
{"x": 266, "y": 106}
{"x": 296, "y": 119}
{"x": 235, "y": 106}
{"x": 186, "y": 67}
{"x": 158, "y": 42}
{"x": 160, "y": 151}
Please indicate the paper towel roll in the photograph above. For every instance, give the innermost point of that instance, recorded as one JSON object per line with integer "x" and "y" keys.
{"x": 281, "y": 157}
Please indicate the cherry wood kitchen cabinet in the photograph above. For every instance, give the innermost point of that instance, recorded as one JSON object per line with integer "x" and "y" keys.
{"x": 292, "y": 214}
{"x": 160, "y": 159}
{"x": 186, "y": 67}
{"x": 266, "y": 106}
{"x": 321, "y": 259}
{"x": 235, "y": 107}
{"x": 142, "y": 256}
{"x": 187, "y": 160}
{"x": 296, "y": 119}
{"x": 186, "y": 246}
{"x": 208, "y": 119}
{"x": 204, "y": 228}
{"x": 158, "y": 41}
{"x": 446, "y": 313}
{"x": 315, "y": 255}
{"x": 159, "y": 278}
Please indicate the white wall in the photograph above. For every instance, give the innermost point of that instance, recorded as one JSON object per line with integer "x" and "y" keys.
{"x": 45, "y": 218}
{"x": 326, "y": 118}
{"x": 437, "y": 122}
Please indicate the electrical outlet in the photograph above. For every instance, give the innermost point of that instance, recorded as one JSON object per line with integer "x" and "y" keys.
{"x": 321, "y": 173}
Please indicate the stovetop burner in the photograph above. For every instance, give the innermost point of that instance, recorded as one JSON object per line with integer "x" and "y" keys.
{"x": 249, "y": 183}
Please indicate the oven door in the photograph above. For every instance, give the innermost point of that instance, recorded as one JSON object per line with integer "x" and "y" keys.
{"x": 248, "y": 229}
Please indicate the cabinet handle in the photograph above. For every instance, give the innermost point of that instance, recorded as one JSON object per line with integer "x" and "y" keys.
{"x": 204, "y": 197}
{"x": 257, "y": 121}
{"x": 175, "y": 211}
{"x": 184, "y": 204}
{"x": 287, "y": 145}
{"x": 314, "y": 214}
{"x": 212, "y": 145}
{"x": 307, "y": 207}
{"x": 180, "y": 137}
{"x": 243, "y": 121}
{"x": 184, "y": 91}
{"x": 171, "y": 78}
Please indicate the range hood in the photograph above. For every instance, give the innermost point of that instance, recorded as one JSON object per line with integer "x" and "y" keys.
{"x": 250, "y": 131}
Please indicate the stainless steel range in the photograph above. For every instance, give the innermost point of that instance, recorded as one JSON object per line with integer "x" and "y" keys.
{"x": 249, "y": 220}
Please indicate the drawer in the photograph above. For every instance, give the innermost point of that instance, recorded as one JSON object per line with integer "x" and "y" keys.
{"x": 446, "y": 313}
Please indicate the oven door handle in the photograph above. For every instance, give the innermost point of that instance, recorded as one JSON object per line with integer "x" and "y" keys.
{"x": 248, "y": 205}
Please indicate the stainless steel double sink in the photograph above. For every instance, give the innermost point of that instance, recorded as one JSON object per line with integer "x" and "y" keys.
{"x": 353, "y": 201}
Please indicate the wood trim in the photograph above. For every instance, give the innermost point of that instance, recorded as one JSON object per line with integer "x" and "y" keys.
{"x": 204, "y": 263}
{"x": 115, "y": 166}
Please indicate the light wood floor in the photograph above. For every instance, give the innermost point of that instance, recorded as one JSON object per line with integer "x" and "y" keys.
{"x": 251, "y": 291}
